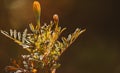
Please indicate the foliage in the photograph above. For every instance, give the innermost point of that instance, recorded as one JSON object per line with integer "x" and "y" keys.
{"x": 42, "y": 44}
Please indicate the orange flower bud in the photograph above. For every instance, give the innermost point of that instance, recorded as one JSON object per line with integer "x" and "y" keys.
{"x": 36, "y": 7}
{"x": 55, "y": 18}
{"x": 37, "y": 11}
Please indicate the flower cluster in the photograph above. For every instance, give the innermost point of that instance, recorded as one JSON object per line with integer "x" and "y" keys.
{"x": 42, "y": 44}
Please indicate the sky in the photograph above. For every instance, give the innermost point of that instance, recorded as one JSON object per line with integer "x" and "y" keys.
{"x": 95, "y": 51}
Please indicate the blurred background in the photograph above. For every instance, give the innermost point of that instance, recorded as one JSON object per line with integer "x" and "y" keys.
{"x": 95, "y": 51}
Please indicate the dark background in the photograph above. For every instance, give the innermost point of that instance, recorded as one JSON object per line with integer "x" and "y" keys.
{"x": 95, "y": 51}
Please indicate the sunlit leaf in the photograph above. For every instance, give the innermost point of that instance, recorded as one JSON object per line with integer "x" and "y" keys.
{"x": 15, "y": 34}
{"x": 19, "y": 36}
{"x": 11, "y": 32}
{"x": 31, "y": 27}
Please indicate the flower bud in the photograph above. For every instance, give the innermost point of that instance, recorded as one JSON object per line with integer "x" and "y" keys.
{"x": 36, "y": 8}
{"x": 37, "y": 11}
{"x": 55, "y": 18}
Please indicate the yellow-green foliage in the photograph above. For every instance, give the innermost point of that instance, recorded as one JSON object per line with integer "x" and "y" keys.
{"x": 42, "y": 44}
